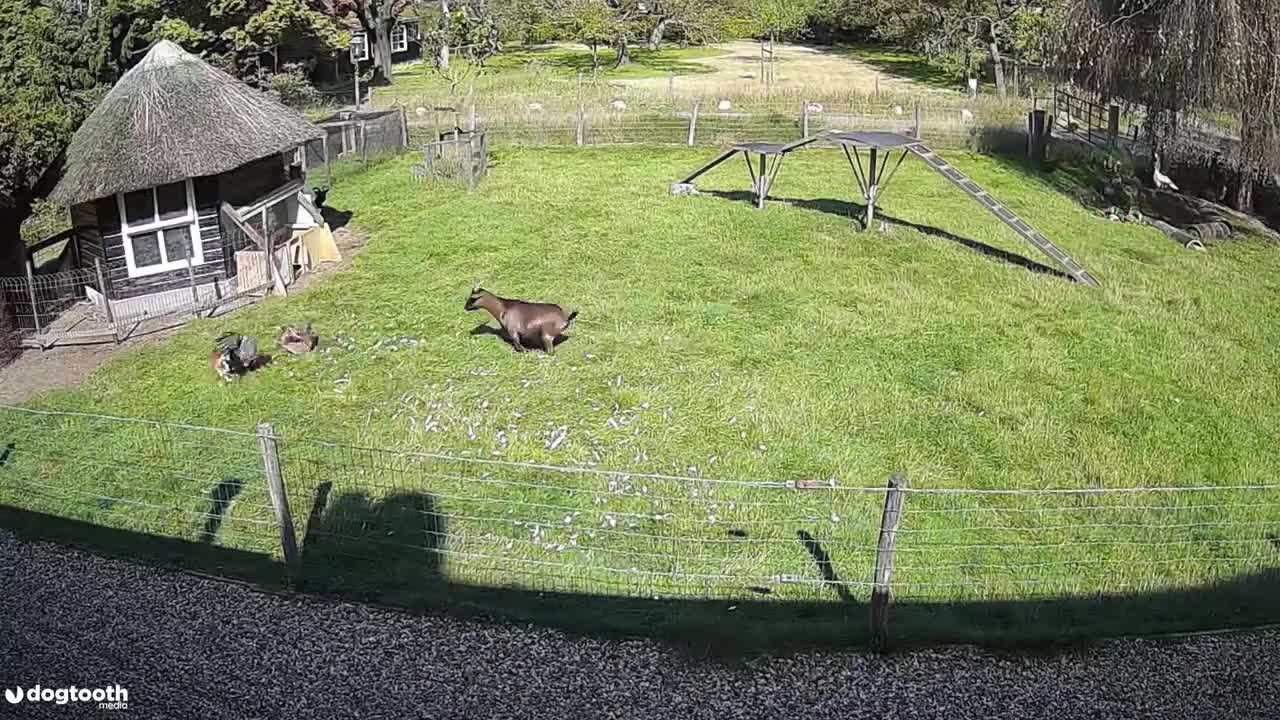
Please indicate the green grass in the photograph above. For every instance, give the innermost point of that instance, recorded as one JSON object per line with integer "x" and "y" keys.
{"x": 721, "y": 341}
{"x": 541, "y": 68}
{"x": 900, "y": 62}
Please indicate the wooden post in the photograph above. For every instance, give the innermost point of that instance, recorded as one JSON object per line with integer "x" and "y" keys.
{"x": 191, "y": 280}
{"x": 404, "y": 126}
{"x": 279, "y": 499}
{"x": 804, "y": 119}
{"x": 471, "y": 117}
{"x": 468, "y": 162}
{"x": 1113, "y": 124}
{"x": 106, "y": 298}
{"x": 877, "y": 86}
{"x": 881, "y": 593}
{"x": 1037, "y": 136}
{"x": 35, "y": 307}
{"x": 693, "y": 123}
{"x": 582, "y": 125}
{"x": 671, "y": 87}
{"x": 917, "y": 120}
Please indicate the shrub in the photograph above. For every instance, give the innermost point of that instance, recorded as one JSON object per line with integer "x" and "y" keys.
{"x": 293, "y": 88}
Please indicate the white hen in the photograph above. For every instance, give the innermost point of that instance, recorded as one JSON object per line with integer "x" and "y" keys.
{"x": 1163, "y": 182}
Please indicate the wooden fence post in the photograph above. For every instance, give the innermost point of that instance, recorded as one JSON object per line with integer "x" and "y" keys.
{"x": 1037, "y": 136}
{"x": 582, "y": 125}
{"x": 917, "y": 128}
{"x": 191, "y": 280}
{"x": 693, "y": 123}
{"x": 270, "y": 454}
{"x": 881, "y": 593}
{"x": 106, "y": 298}
{"x": 804, "y": 119}
{"x": 1113, "y": 124}
{"x": 35, "y": 306}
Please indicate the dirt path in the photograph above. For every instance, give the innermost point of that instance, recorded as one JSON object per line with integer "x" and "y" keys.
{"x": 36, "y": 372}
{"x": 738, "y": 71}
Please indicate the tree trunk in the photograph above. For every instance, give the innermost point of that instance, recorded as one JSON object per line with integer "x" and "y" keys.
{"x": 997, "y": 65}
{"x": 443, "y": 60}
{"x": 595, "y": 55}
{"x": 1241, "y": 192}
{"x": 656, "y": 33}
{"x": 13, "y": 253}
{"x": 382, "y": 48}
{"x": 624, "y": 53}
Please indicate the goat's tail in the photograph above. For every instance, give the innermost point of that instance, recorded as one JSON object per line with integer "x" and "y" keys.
{"x": 572, "y": 315}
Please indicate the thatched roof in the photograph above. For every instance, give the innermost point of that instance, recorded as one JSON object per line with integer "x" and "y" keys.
{"x": 173, "y": 116}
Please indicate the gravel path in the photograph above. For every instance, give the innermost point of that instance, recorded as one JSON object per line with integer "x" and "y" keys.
{"x": 189, "y": 647}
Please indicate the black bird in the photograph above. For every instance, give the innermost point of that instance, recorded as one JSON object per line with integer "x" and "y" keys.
{"x": 235, "y": 355}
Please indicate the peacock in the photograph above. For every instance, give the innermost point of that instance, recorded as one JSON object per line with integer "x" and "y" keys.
{"x": 235, "y": 355}
{"x": 298, "y": 340}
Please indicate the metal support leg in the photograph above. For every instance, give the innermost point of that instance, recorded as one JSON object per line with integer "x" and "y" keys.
{"x": 762, "y": 181}
{"x": 872, "y": 188}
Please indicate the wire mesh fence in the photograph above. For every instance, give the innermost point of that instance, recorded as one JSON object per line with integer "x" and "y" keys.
{"x": 408, "y": 516}
{"x": 52, "y": 304}
{"x": 358, "y": 135}
{"x": 531, "y": 120}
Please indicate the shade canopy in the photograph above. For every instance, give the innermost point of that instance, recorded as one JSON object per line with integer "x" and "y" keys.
{"x": 174, "y": 116}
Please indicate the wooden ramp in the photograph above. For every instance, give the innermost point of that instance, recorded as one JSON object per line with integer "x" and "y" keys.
{"x": 1007, "y": 216}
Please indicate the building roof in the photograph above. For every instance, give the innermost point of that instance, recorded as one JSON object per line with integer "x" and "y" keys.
{"x": 171, "y": 117}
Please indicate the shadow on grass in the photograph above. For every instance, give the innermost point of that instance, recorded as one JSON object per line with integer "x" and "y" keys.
{"x": 660, "y": 61}
{"x": 898, "y": 62}
{"x": 388, "y": 551}
{"x": 529, "y": 343}
{"x": 220, "y": 498}
{"x": 853, "y": 211}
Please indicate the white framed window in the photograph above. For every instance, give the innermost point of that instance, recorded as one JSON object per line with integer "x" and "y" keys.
{"x": 160, "y": 228}
{"x": 359, "y": 47}
{"x": 399, "y": 39}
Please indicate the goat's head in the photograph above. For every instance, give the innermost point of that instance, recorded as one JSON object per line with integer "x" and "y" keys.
{"x": 475, "y": 298}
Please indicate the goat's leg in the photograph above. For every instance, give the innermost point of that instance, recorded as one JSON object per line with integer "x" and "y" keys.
{"x": 548, "y": 343}
{"x": 514, "y": 335}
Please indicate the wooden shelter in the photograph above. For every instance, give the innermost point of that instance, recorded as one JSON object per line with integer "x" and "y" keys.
{"x": 173, "y": 166}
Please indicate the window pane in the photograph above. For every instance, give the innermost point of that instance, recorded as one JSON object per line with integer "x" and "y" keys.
{"x": 146, "y": 249}
{"x": 278, "y": 217}
{"x": 177, "y": 243}
{"x": 172, "y": 200}
{"x": 140, "y": 207}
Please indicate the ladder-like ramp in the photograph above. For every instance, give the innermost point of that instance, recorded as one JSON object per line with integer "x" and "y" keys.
{"x": 1005, "y": 215}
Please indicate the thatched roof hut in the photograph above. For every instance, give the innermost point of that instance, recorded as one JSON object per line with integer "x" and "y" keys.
{"x": 178, "y": 171}
{"x": 174, "y": 116}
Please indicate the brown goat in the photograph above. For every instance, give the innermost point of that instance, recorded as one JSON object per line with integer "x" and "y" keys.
{"x": 520, "y": 319}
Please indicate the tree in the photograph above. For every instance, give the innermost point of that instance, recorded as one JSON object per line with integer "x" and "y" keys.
{"x": 590, "y": 22}
{"x": 1169, "y": 58}
{"x": 378, "y": 18}
{"x": 771, "y": 19}
{"x": 48, "y": 90}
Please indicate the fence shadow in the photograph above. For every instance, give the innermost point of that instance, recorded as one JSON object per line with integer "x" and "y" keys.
{"x": 371, "y": 551}
{"x": 220, "y": 498}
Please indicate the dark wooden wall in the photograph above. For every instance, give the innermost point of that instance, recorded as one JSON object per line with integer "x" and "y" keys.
{"x": 214, "y": 267}
{"x": 84, "y": 221}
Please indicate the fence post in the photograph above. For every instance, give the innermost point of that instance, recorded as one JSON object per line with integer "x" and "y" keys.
{"x": 582, "y": 122}
{"x": 881, "y": 594}
{"x": 1036, "y": 136}
{"x": 270, "y": 454}
{"x": 693, "y": 123}
{"x": 804, "y": 119}
{"x": 1113, "y": 124}
{"x": 471, "y": 117}
{"x": 191, "y": 280}
{"x": 917, "y": 115}
{"x": 106, "y": 298}
{"x": 35, "y": 307}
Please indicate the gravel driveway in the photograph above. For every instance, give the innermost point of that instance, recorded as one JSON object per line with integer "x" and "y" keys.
{"x": 189, "y": 647}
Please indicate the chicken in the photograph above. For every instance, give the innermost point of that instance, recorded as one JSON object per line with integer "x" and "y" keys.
{"x": 298, "y": 340}
{"x": 235, "y": 355}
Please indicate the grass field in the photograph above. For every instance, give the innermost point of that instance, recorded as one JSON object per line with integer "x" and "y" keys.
{"x": 718, "y": 341}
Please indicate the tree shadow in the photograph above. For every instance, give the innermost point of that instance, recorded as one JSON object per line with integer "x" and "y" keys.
{"x": 220, "y": 498}
{"x": 898, "y": 62}
{"x": 853, "y": 211}
{"x": 530, "y": 343}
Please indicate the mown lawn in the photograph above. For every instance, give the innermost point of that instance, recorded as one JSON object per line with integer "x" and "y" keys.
{"x": 718, "y": 341}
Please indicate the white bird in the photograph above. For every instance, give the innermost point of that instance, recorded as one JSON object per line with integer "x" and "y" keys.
{"x": 1162, "y": 181}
